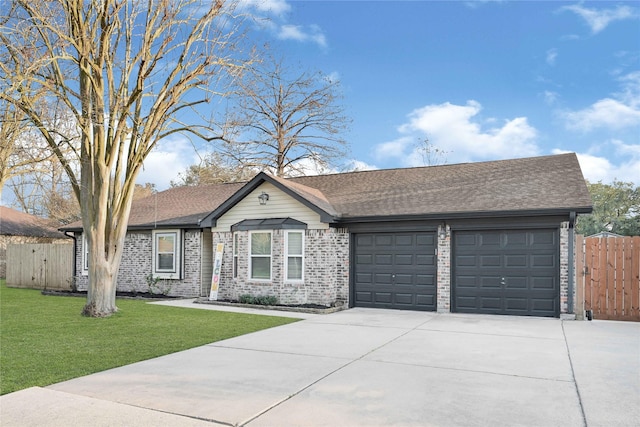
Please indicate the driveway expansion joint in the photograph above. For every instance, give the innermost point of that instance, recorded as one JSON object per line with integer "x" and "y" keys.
{"x": 573, "y": 375}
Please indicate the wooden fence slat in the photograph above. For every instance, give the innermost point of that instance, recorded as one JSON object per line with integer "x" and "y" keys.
{"x": 618, "y": 272}
{"x": 40, "y": 266}
{"x": 612, "y": 279}
{"x": 635, "y": 277}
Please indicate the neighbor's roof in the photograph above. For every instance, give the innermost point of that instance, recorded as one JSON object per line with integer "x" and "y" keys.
{"x": 16, "y": 223}
{"x": 529, "y": 186}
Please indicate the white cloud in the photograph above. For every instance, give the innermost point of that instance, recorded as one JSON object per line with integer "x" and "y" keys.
{"x": 276, "y": 7}
{"x": 619, "y": 111}
{"x": 456, "y": 130}
{"x": 552, "y": 55}
{"x": 598, "y": 20}
{"x": 166, "y": 161}
{"x": 550, "y": 97}
{"x": 605, "y": 113}
{"x": 311, "y": 33}
{"x": 597, "y": 168}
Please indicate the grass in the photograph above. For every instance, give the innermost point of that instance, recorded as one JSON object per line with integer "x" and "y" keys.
{"x": 44, "y": 339}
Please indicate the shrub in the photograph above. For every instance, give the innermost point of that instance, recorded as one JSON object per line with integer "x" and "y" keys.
{"x": 258, "y": 300}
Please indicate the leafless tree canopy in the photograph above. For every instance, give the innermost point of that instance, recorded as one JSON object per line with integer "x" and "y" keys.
{"x": 285, "y": 122}
{"x": 127, "y": 74}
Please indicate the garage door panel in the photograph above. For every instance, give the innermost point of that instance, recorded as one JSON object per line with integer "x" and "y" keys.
{"x": 364, "y": 240}
{"x": 426, "y": 260}
{"x": 426, "y": 239}
{"x": 507, "y": 271}
{"x": 404, "y": 240}
{"x": 364, "y": 259}
{"x": 404, "y": 259}
{"x": 516, "y": 261}
{"x": 516, "y": 283}
{"x": 467, "y": 261}
{"x": 402, "y": 268}
{"x": 426, "y": 279}
{"x": 546, "y": 283}
{"x": 489, "y": 261}
{"x": 543, "y": 261}
{"x": 491, "y": 303}
{"x": 382, "y": 240}
{"x": 488, "y": 240}
{"x": 364, "y": 278}
{"x": 382, "y": 279}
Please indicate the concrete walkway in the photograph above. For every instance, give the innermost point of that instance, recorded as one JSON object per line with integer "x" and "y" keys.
{"x": 366, "y": 367}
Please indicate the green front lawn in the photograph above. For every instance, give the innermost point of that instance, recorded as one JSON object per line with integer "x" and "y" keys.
{"x": 44, "y": 339}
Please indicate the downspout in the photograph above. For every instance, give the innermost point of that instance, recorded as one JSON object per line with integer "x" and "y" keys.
{"x": 570, "y": 290}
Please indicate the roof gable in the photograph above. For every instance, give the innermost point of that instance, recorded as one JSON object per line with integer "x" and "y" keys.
{"x": 307, "y": 196}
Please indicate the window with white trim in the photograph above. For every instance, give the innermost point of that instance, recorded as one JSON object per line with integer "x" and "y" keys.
{"x": 260, "y": 255}
{"x": 85, "y": 255}
{"x": 294, "y": 248}
{"x": 236, "y": 236}
{"x": 166, "y": 253}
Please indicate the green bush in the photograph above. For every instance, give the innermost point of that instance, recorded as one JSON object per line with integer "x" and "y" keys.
{"x": 258, "y": 300}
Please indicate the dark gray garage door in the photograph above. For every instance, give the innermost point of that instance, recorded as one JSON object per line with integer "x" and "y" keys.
{"x": 395, "y": 270}
{"x": 506, "y": 272}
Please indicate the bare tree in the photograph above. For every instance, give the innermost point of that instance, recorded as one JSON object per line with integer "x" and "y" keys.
{"x": 431, "y": 155}
{"x": 21, "y": 148}
{"x": 214, "y": 169}
{"x": 285, "y": 122}
{"x": 130, "y": 73}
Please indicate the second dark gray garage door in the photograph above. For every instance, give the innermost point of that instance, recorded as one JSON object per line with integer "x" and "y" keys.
{"x": 395, "y": 270}
{"x": 506, "y": 272}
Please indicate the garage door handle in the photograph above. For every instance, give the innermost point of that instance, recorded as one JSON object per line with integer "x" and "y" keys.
{"x": 503, "y": 281}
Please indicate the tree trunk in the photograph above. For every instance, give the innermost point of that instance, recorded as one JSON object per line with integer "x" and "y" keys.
{"x": 101, "y": 295}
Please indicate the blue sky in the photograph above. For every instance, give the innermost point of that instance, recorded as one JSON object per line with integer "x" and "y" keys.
{"x": 481, "y": 80}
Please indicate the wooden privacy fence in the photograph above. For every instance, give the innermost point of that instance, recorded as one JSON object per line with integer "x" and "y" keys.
{"x": 608, "y": 277}
{"x": 40, "y": 266}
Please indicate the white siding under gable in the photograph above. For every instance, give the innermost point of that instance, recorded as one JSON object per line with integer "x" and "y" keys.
{"x": 280, "y": 205}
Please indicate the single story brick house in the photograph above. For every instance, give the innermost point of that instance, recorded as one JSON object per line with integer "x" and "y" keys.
{"x": 492, "y": 237}
{"x": 18, "y": 227}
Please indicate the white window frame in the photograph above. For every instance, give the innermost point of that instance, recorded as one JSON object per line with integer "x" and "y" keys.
{"x": 236, "y": 249}
{"x": 85, "y": 255}
{"x": 173, "y": 273}
{"x": 287, "y": 256}
{"x": 251, "y": 256}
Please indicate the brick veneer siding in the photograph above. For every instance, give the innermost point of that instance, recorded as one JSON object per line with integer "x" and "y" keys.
{"x": 564, "y": 268}
{"x": 444, "y": 271}
{"x": 136, "y": 265}
{"x": 326, "y": 269}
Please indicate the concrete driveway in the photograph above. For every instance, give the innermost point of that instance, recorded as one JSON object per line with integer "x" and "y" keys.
{"x": 366, "y": 367}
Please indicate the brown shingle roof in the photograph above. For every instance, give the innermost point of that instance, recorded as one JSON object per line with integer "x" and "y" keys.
{"x": 180, "y": 206}
{"x": 16, "y": 223}
{"x": 533, "y": 185}
{"x": 529, "y": 184}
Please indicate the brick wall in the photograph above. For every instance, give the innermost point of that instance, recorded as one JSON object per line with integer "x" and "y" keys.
{"x": 564, "y": 267}
{"x": 136, "y": 265}
{"x": 326, "y": 269}
{"x": 444, "y": 271}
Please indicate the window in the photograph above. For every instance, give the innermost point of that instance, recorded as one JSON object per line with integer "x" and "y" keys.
{"x": 85, "y": 255}
{"x": 166, "y": 253}
{"x": 260, "y": 255}
{"x": 294, "y": 247}
{"x": 235, "y": 254}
